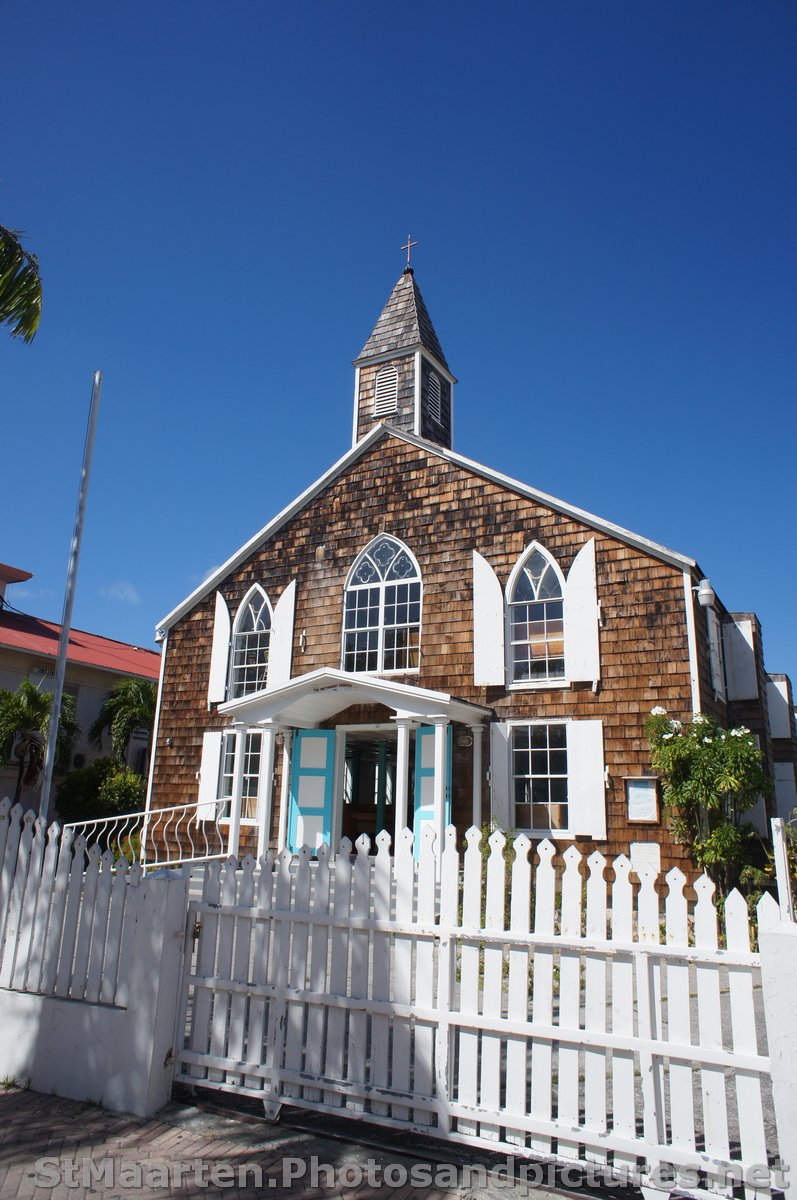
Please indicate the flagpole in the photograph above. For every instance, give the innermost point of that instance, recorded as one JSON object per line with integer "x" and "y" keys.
{"x": 69, "y": 596}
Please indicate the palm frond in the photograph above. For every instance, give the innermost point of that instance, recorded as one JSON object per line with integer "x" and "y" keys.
{"x": 20, "y": 287}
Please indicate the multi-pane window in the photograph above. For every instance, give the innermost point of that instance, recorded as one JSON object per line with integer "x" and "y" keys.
{"x": 539, "y": 776}
{"x": 250, "y": 642}
{"x": 382, "y": 614}
{"x": 251, "y": 773}
{"x": 536, "y": 622}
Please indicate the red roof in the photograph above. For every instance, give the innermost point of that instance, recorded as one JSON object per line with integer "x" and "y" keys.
{"x": 14, "y": 574}
{"x": 41, "y": 637}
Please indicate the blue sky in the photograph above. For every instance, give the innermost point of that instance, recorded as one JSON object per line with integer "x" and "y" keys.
{"x": 604, "y": 200}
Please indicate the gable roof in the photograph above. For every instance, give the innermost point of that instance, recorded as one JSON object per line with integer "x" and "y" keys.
{"x": 307, "y": 700}
{"x": 404, "y": 324}
{"x": 30, "y": 634}
{"x": 376, "y": 434}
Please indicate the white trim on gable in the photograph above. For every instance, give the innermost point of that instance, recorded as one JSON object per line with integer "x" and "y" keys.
{"x": 374, "y": 435}
{"x": 691, "y": 641}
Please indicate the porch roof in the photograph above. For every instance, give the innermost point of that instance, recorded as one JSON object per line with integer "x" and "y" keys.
{"x": 309, "y": 699}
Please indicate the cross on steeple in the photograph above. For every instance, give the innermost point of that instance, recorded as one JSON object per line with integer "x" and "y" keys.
{"x": 408, "y": 247}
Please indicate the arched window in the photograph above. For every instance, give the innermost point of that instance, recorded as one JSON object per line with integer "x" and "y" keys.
{"x": 536, "y": 619}
{"x": 251, "y": 635}
{"x": 386, "y": 392}
{"x": 382, "y": 611}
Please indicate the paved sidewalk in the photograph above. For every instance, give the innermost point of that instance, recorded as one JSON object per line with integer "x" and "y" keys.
{"x": 94, "y": 1153}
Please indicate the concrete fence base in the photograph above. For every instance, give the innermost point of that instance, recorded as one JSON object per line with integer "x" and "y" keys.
{"x": 117, "y": 1056}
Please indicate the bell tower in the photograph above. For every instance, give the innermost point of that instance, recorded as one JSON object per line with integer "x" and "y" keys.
{"x": 401, "y": 376}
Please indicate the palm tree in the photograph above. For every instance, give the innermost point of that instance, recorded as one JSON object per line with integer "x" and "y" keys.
{"x": 24, "y": 724}
{"x": 130, "y": 706}
{"x": 20, "y": 287}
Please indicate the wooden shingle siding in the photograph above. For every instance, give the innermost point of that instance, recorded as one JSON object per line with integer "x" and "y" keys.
{"x": 443, "y": 512}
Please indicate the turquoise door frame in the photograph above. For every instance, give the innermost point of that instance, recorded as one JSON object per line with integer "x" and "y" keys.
{"x": 424, "y": 781}
{"x": 313, "y": 758}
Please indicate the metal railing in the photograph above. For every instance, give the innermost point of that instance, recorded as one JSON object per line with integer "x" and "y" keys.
{"x": 160, "y": 837}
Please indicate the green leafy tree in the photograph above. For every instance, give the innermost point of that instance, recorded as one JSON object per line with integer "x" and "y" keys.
{"x": 130, "y": 706}
{"x": 24, "y": 727}
{"x": 712, "y": 778}
{"x": 20, "y": 287}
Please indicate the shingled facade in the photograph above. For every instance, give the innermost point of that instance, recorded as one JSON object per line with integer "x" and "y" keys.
{"x": 418, "y": 639}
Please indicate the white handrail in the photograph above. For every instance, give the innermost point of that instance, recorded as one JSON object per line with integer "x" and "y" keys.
{"x": 158, "y": 837}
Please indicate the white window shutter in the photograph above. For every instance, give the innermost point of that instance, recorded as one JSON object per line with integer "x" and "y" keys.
{"x": 220, "y": 652}
{"x": 488, "y": 624}
{"x": 582, "y": 651}
{"x": 500, "y": 800}
{"x": 281, "y": 644}
{"x": 209, "y": 776}
{"x": 586, "y": 783}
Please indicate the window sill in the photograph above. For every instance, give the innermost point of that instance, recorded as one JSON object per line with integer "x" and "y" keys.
{"x": 544, "y": 685}
{"x": 248, "y": 822}
{"x": 553, "y": 834}
{"x": 384, "y": 674}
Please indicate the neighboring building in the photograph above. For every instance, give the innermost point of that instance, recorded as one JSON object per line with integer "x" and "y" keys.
{"x": 418, "y": 639}
{"x": 94, "y": 666}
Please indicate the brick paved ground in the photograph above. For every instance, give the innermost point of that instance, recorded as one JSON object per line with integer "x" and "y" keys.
{"x": 144, "y": 1156}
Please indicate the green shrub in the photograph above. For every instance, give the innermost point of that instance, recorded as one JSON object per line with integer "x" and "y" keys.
{"x": 78, "y": 794}
{"x": 102, "y": 789}
{"x": 122, "y": 791}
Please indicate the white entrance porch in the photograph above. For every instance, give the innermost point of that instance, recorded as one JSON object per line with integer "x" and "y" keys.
{"x": 315, "y": 776}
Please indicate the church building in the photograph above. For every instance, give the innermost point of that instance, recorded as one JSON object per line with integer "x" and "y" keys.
{"x": 418, "y": 639}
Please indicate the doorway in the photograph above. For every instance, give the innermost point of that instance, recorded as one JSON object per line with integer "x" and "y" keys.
{"x": 369, "y": 783}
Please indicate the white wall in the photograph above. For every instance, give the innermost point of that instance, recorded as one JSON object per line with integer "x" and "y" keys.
{"x": 740, "y": 666}
{"x": 100, "y": 1052}
{"x": 778, "y": 706}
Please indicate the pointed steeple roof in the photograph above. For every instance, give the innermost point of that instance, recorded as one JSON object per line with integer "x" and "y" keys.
{"x": 404, "y": 324}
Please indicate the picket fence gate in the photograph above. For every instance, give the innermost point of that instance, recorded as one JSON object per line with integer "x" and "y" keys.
{"x": 542, "y": 1012}
{"x": 67, "y": 912}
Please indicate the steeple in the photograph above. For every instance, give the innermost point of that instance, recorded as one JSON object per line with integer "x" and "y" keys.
{"x": 401, "y": 374}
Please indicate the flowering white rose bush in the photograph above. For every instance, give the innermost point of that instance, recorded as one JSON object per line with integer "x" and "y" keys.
{"x": 711, "y": 778}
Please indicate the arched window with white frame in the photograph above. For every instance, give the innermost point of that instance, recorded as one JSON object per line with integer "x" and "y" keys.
{"x": 251, "y": 636}
{"x": 535, "y": 617}
{"x": 382, "y": 609}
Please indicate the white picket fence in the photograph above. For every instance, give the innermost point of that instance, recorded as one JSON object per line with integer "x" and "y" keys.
{"x": 62, "y": 912}
{"x": 541, "y": 1012}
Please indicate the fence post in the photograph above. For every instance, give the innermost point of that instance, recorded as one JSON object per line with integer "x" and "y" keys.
{"x": 778, "y": 948}
{"x": 154, "y": 967}
{"x": 780, "y": 852}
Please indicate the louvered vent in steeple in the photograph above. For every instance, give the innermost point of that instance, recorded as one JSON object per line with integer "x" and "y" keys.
{"x": 386, "y": 392}
{"x": 434, "y": 396}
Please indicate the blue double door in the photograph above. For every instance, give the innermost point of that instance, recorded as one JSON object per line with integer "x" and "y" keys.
{"x": 313, "y": 779}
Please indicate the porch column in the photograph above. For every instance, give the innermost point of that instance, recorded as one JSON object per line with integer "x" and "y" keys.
{"x": 282, "y": 836}
{"x": 440, "y": 774}
{"x": 265, "y": 788}
{"x": 381, "y": 786}
{"x": 234, "y": 828}
{"x": 476, "y": 731}
{"x": 403, "y": 727}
